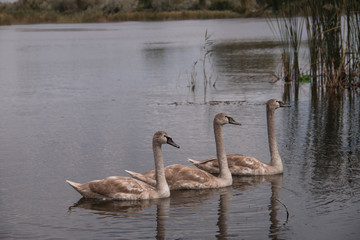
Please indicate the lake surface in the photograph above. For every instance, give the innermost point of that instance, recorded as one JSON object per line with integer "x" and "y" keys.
{"x": 82, "y": 102}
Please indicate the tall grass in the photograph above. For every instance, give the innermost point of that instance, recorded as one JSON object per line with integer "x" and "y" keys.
{"x": 353, "y": 23}
{"x": 333, "y": 40}
{"x": 288, "y": 28}
{"x": 205, "y": 58}
{"x": 333, "y": 35}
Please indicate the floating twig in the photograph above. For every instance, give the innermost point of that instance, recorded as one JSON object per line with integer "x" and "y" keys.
{"x": 287, "y": 212}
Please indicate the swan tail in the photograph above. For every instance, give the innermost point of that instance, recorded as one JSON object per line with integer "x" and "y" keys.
{"x": 76, "y": 186}
{"x": 198, "y": 163}
{"x": 206, "y": 165}
{"x": 141, "y": 177}
{"x": 73, "y": 184}
{"x": 131, "y": 173}
{"x": 194, "y": 161}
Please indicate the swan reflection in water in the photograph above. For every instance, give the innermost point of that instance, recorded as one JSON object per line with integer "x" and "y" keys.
{"x": 192, "y": 199}
{"x": 127, "y": 209}
{"x": 243, "y": 183}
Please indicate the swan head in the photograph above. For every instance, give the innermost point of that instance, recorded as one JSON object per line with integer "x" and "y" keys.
{"x": 275, "y": 104}
{"x": 223, "y": 118}
{"x": 161, "y": 137}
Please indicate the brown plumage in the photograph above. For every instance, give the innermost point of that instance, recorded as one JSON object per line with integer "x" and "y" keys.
{"x": 246, "y": 165}
{"x": 188, "y": 177}
{"x": 126, "y": 188}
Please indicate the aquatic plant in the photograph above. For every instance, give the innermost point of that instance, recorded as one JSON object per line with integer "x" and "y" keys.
{"x": 193, "y": 75}
{"x": 333, "y": 40}
{"x": 288, "y": 29}
{"x": 333, "y": 34}
{"x": 304, "y": 78}
{"x": 206, "y": 55}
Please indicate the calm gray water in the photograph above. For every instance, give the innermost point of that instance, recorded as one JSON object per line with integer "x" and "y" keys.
{"x": 83, "y": 101}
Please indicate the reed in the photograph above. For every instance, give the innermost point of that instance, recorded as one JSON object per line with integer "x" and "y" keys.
{"x": 193, "y": 75}
{"x": 333, "y": 41}
{"x": 288, "y": 28}
{"x": 206, "y": 60}
{"x": 353, "y": 23}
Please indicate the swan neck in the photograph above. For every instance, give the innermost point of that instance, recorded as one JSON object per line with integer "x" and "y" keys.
{"x": 161, "y": 184}
{"x": 274, "y": 152}
{"x": 220, "y": 152}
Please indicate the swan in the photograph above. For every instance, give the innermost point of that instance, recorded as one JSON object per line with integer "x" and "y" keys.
{"x": 246, "y": 165}
{"x": 126, "y": 188}
{"x": 188, "y": 177}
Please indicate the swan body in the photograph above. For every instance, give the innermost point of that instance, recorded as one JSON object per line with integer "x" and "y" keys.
{"x": 247, "y": 165}
{"x": 188, "y": 177}
{"x": 126, "y": 188}
{"x": 182, "y": 177}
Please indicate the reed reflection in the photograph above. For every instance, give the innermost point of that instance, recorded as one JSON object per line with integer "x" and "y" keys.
{"x": 323, "y": 139}
{"x": 236, "y": 58}
{"x": 334, "y": 132}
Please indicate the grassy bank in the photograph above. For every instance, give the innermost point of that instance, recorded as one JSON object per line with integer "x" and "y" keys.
{"x": 33, "y": 17}
{"x": 174, "y": 15}
{"x": 84, "y": 11}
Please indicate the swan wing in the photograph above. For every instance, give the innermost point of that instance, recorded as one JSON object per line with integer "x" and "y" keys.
{"x": 179, "y": 177}
{"x": 238, "y": 164}
{"x": 148, "y": 177}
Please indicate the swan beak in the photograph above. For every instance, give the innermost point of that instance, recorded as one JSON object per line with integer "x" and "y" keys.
{"x": 232, "y": 121}
{"x": 171, "y": 142}
{"x": 282, "y": 104}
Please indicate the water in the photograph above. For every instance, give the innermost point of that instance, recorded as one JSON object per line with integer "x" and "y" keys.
{"x": 83, "y": 101}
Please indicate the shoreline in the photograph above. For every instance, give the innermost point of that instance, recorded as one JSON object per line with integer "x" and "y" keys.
{"x": 44, "y": 17}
